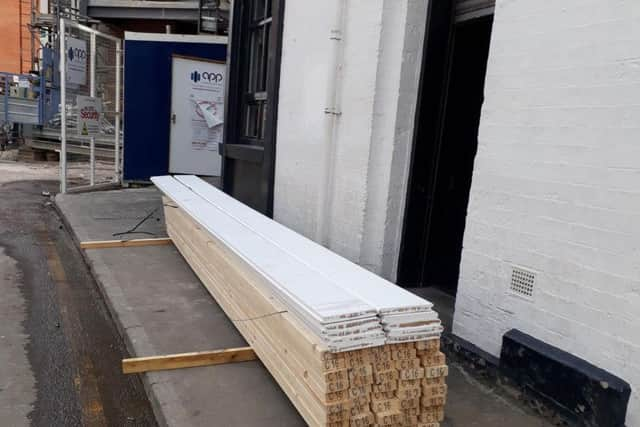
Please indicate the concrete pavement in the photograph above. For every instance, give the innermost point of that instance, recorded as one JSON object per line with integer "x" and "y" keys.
{"x": 160, "y": 307}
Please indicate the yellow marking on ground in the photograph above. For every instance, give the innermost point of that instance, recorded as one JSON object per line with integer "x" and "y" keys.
{"x": 85, "y": 379}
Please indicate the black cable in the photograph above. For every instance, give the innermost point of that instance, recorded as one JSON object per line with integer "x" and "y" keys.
{"x": 135, "y": 227}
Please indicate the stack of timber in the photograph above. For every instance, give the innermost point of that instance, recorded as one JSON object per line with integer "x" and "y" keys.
{"x": 347, "y": 347}
{"x": 404, "y": 316}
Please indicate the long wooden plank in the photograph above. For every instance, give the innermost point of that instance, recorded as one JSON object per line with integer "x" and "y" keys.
{"x": 101, "y": 244}
{"x": 187, "y": 360}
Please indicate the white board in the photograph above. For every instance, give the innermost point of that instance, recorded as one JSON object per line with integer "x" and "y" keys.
{"x": 385, "y": 296}
{"x": 197, "y": 116}
{"x": 76, "y": 61}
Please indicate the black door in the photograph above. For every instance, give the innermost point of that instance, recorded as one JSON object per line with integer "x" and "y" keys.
{"x": 426, "y": 144}
{"x": 249, "y": 150}
{"x": 457, "y": 153}
{"x": 443, "y": 163}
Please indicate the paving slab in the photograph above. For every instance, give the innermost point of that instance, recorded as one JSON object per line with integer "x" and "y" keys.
{"x": 160, "y": 307}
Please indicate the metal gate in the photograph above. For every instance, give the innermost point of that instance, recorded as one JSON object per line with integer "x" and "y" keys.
{"x": 90, "y": 97}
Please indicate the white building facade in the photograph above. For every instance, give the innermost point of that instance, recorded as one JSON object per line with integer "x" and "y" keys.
{"x": 551, "y": 237}
{"x": 556, "y": 185}
{"x": 349, "y": 83}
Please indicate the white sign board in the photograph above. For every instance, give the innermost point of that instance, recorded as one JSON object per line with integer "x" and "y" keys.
{"x": 197, "y": 106}
{"x": 76, "y": 61}
{"x": 206, "y": 96}
{"x": 89, "y": 113}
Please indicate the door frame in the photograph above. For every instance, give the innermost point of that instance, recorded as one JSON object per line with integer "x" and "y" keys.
{"x": 232, "y": 148}
{"x": 430, "y": 77}
{"x": 429, "y": 127}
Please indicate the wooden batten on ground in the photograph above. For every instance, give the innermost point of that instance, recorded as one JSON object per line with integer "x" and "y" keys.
{"x": 187, "y": 360}
{"x": 101, "y": 244}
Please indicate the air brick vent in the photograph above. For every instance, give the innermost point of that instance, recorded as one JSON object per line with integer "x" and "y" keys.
{"x": 522, "y": 281}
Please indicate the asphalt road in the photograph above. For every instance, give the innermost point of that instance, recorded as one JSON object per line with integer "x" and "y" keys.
{"x": 60, "y": 352}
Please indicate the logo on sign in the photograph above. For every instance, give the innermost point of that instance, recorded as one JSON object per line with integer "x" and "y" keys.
{"x": 205, "y": 76}
{"x": 76, "y": 53}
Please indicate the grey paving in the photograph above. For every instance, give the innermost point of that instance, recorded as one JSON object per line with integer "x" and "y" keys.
{"x": 160, "y": 307}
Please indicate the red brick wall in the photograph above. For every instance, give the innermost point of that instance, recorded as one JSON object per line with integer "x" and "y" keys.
{"x": 10, "y": 35}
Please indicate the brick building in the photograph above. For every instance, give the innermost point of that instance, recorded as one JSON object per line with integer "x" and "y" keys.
{"x": 18, "y": 46}
{"x": 556, "y": 186}
{"x": 487, "y": 149}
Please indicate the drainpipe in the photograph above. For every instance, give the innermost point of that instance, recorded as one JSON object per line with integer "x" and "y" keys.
{"x": 332, "y": 113}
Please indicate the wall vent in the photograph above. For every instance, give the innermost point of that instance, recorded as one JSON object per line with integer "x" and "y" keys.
{"x": 522, "y": 281}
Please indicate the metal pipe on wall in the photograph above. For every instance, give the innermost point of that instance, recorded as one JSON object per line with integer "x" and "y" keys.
{"x": 332, "y": 113}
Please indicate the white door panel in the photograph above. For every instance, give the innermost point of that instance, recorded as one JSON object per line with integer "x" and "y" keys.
{"x": 197, "y": 114}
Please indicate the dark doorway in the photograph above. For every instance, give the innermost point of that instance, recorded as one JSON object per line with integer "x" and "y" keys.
{"x": 254, "y": 72}
{"x": 445, "y": 145}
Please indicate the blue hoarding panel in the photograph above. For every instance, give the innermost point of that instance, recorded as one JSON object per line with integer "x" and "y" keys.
{"x": 147, "y": 102}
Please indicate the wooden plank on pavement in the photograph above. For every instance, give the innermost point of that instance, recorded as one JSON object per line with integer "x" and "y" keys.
{"x": 187, "y": 360}
{"x": 100, "y": 244}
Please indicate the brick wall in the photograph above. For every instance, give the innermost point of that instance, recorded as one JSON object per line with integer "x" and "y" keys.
{"x": 556, "y": 184}
{"x": 10, "y": 31}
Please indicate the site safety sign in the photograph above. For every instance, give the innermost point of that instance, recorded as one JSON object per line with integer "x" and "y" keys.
{"x": 89, "y": 113}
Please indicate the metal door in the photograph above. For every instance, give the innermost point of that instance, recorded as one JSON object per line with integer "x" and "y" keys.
{"x": 197, "y": 111}
{"x": 249, "y": 149}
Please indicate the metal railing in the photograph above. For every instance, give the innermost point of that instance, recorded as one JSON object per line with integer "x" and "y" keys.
{"x": 21, "y": 98}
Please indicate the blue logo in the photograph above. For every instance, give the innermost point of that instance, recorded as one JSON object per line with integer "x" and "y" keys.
{"x": 76, "y": 54}
{"x": 205, "y": 76}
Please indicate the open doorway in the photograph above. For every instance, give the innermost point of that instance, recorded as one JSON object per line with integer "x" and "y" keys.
{"x": 446, "y": 140}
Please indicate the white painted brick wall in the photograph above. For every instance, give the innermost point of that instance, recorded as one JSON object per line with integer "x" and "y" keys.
{"x": 556, "y": 184}
{"x": 365, "y": 171}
